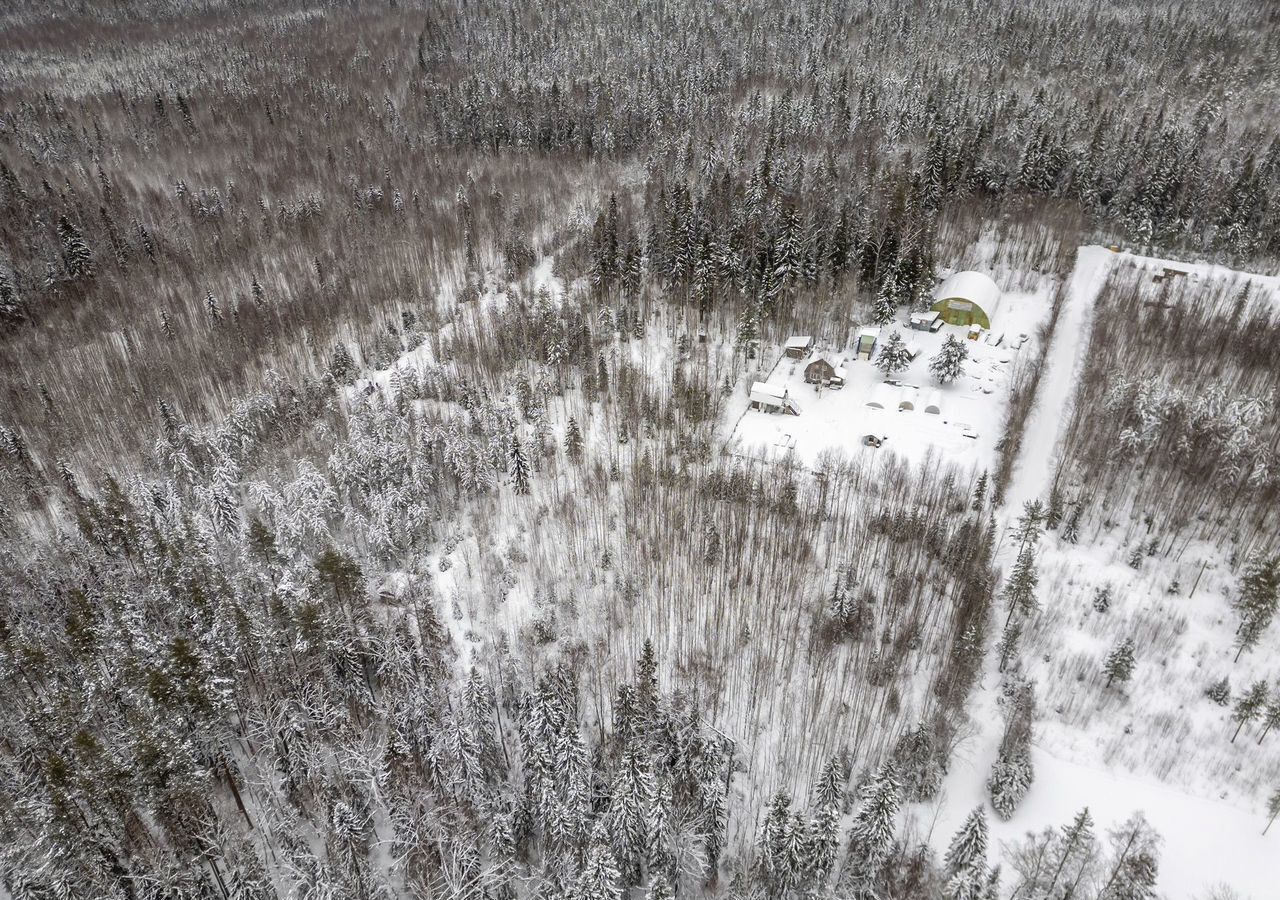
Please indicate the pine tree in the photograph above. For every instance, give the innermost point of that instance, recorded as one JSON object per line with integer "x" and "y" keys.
{"x": 1118, "y": 665}
{"x": 1271, "y": 718}
{"x": 1256, "y": 603}
{"x": 1273, "y": 809}
{"x": 1071, "y": 530}
{"x": 1249, "y": 707}
{"x": 1220, "y": 691}
{"x": 1010, "y": 779}
{"x": 885, "y": 308}
{"x": 1102, "y": 598}
{"x": 894, "y": 355}
{"x": 342, "y": 366}
{"x": 968, "y": 848}
{"x": 1008, "y": 646}
{"x": 980, "y": 491}
{"x": 1020, "y": 588}
{"x": 572, "y": 439}
{"x": 76, "y": 256}
{"x": 871, "y": 834}
{"x": 519, "y": 465}
{"x": 948, "y": 364}
{"x": 1053, "y": 516}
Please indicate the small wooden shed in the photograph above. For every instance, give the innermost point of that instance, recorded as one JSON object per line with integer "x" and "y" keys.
{"x": 798, "y": 346}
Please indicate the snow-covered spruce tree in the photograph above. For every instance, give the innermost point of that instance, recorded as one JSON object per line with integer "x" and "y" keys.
{"x": 1012, "y": 773}
{"x": 894, "y": 355}
{"x": 886, "y": 306}
{"x": 341, "y": 366}
{"x": 968, "y": 846}
{"x": 916, "y": 757}
{"x": 76, "y": 256}
{"x": 1010, "y": 779}
{"x": 572, "y": 439}
{"x": 1102, "y": 599}
{"x": 1220, "y": 691}
{"x": 948, "y": 364}
{"x": 1020, "y": 588}
{"x": 518, "y": 465}
{"x": 871, "y": 834}
{"x": 1118, "y": 666}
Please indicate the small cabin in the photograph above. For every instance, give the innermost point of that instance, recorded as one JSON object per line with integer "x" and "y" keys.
{"x": 798, "y": 346}
{"x": 824, "y": 370}
{"x": 867, "y": 339}
{"x": 770, "y": 399}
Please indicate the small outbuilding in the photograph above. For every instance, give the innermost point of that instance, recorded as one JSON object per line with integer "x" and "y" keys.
{"x": 933, "y": 406}
{"x": 926, "y": 321}
{"x": 770, "y": 399}
{"x": 867, "y": 338}
{"x": 967, "y": 298}
{"x": 798, "y": 346}
{"x": 906, "y": 399}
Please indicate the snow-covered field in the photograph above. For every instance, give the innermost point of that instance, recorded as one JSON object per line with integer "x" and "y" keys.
{"x": 965, "y": 431}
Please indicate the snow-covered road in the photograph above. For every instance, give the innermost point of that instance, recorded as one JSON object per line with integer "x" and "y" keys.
{"x": 1206, "y": 842}
{"x": 1034, "y": 468}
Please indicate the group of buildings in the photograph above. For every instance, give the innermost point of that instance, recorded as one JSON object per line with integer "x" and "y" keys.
{"x": 965, "y": 299}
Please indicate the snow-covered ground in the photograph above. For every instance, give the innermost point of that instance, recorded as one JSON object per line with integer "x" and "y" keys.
{"x": 965, "y": 431}
{"x": 1079, "y": 759}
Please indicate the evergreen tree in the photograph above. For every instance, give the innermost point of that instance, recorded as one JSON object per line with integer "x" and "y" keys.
{"x": 1249, "y": 707}
{"x": 980, "y": 491}
{"x": 519, "y": 466}
{"x": 1020, "y": 588}
{"x": 1008, "y": 645}
{"x": 1273, "y": 809}
{"x": 76, "y": 256}
{"x": 894, "y": 355}
{"x": 342, "y": 366}
{"x": 1118, "y": 665}
{"x": 1220, "y": 691}
{"x": 1102, "y": 598}
{"x": 1256, "y": 603}
{"x": 1270, "y": 718}
{"x": 1010, "y": 779}
{"x": 572, "y": 439}
{"x": 871, "y": 834}
{"x": 968, "y": 848}
{"x": 948, "y": 364}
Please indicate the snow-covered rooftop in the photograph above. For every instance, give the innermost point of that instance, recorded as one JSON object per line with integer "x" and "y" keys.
{"x": 972, "y": 286}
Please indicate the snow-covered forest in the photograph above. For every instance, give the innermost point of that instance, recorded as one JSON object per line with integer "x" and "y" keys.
{"x": 394, "y": 502}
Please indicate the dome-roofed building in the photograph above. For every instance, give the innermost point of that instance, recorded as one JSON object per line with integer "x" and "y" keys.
{"x": 967, "y": 298}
